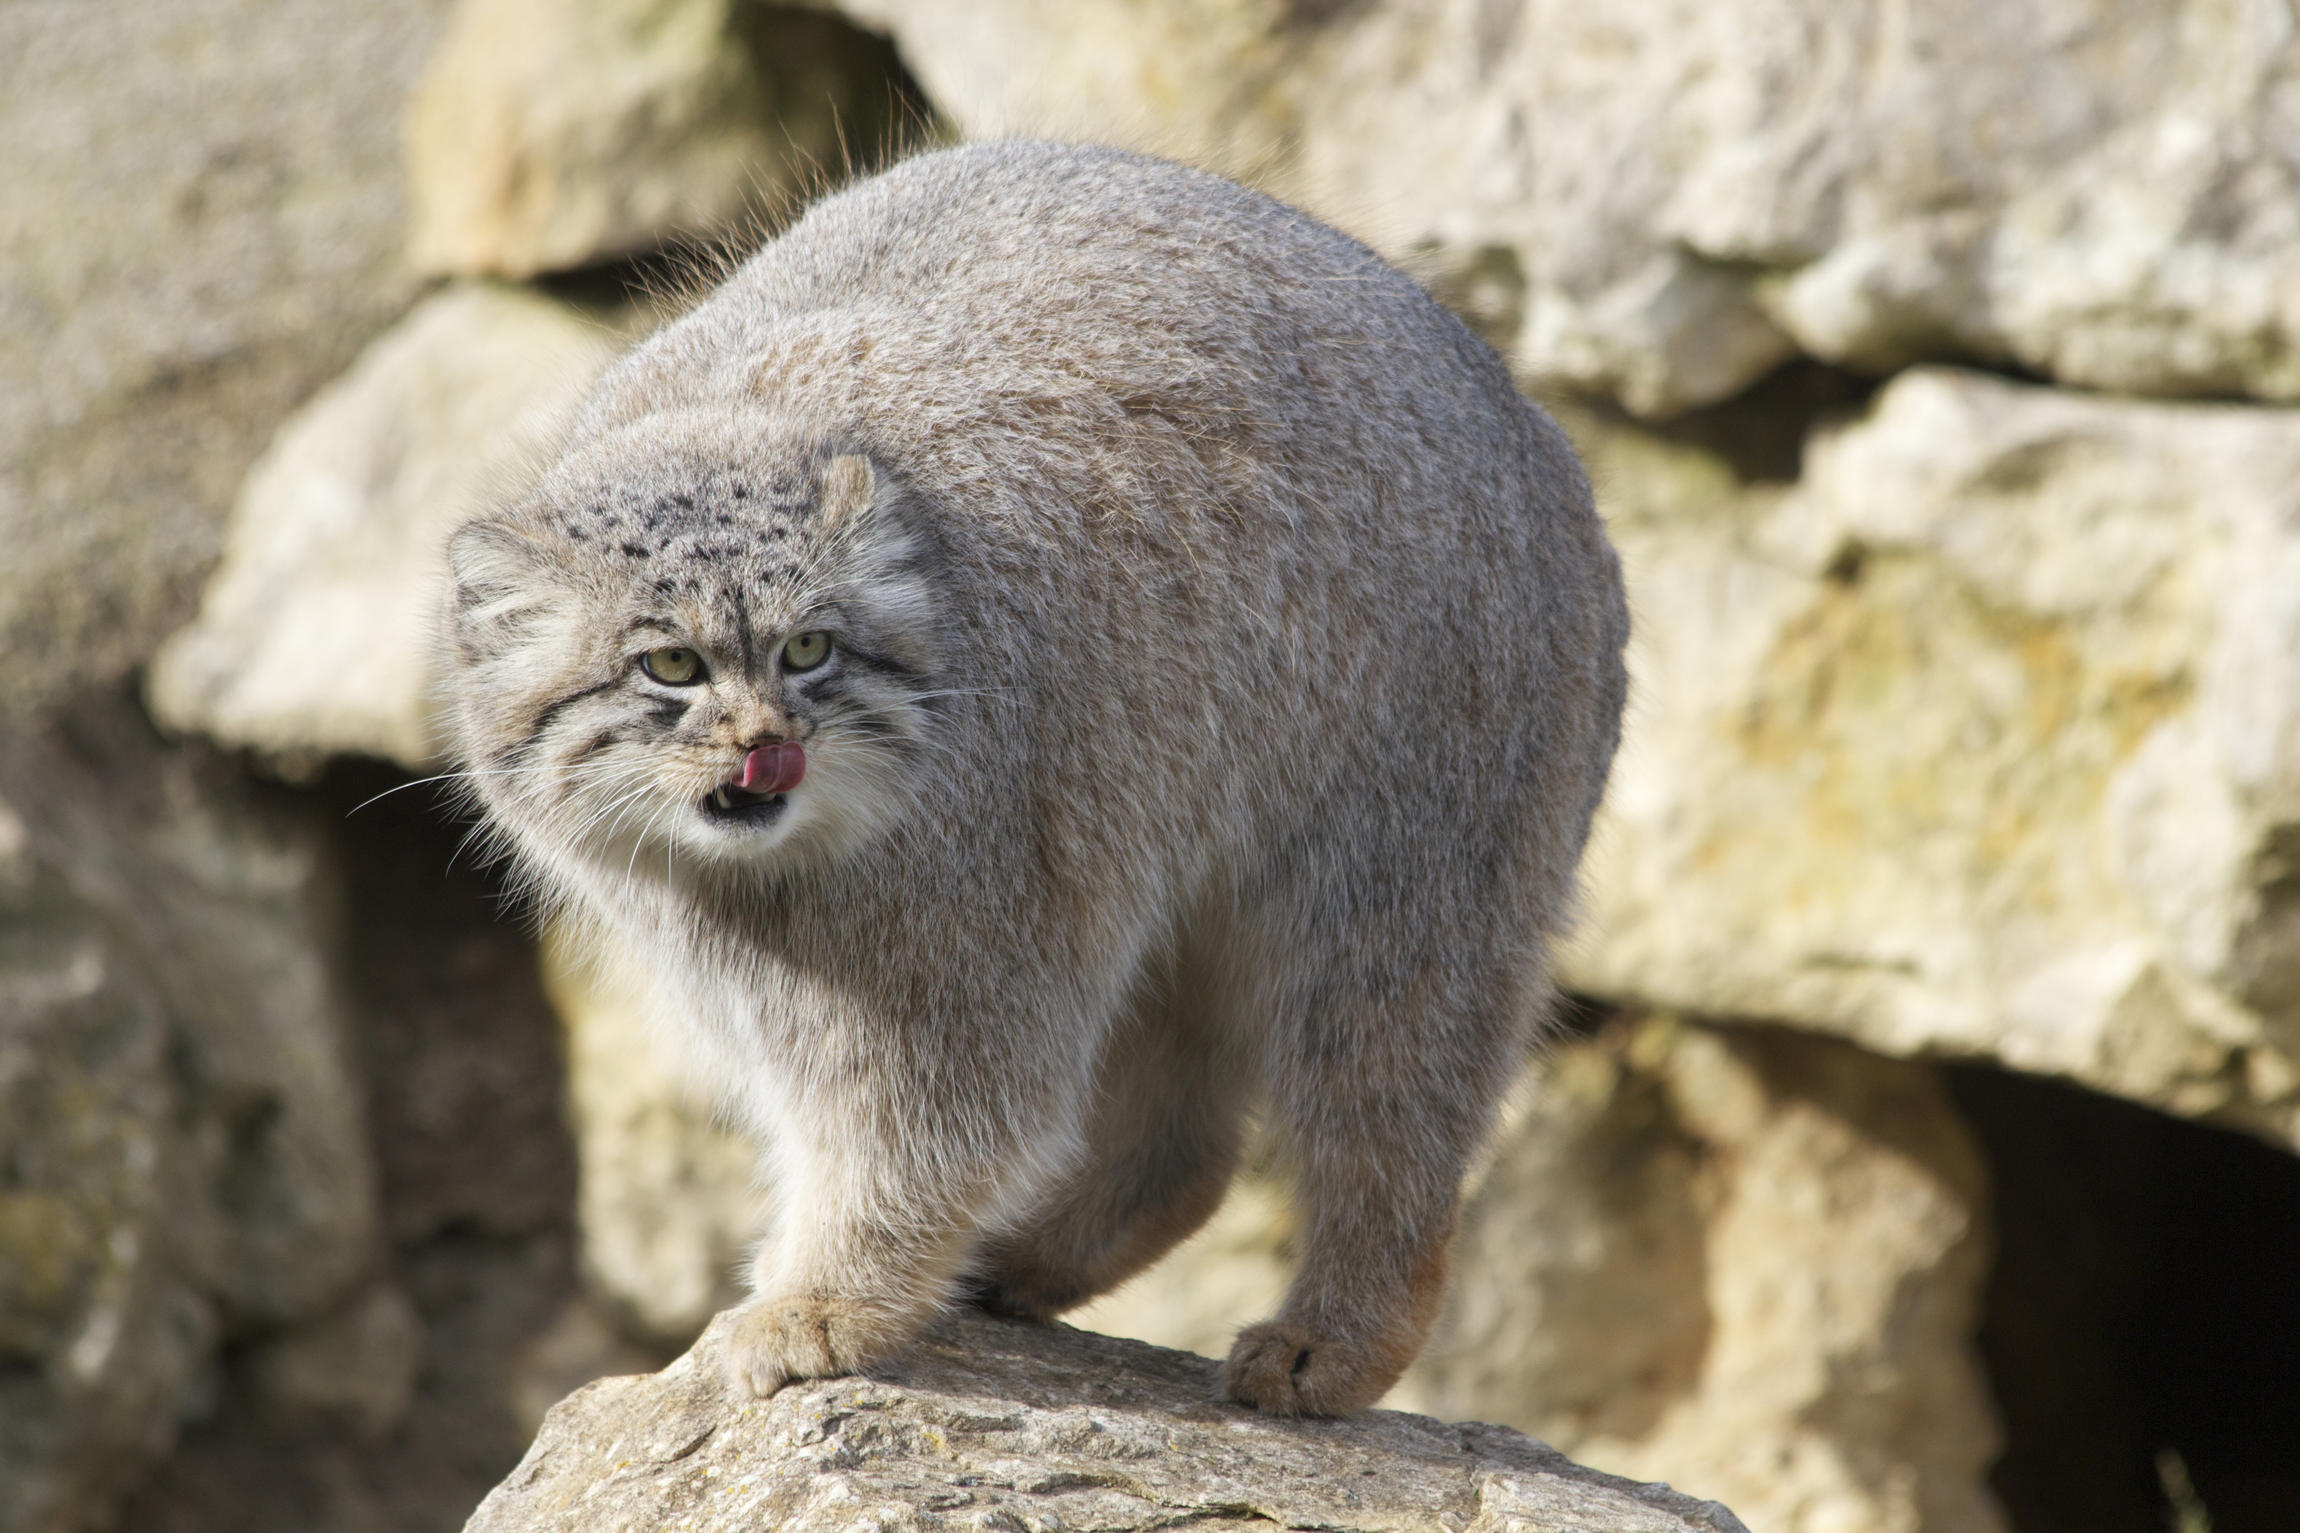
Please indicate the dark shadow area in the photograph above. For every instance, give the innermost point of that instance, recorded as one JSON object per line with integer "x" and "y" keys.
{"x": 464, "y": 1096}
{"x": 1761, "y": 431}
{"x": 2145, "y": 1303}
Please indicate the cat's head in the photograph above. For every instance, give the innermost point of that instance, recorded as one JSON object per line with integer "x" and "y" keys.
{"x": 697, "y": 641}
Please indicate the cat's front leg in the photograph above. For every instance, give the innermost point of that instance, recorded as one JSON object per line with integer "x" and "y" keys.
{"x": 881, "y": 1214}
{"x": 798, "y": 1334}
{"x": 841, "y": 1292}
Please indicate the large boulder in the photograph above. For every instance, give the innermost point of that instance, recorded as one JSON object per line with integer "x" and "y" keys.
{"x": 553, "y": 134}
{"x": 991, "y": 1424}
{"x": 202, "y": 223}
{"x": 316, "y": 634}
{"x": 1660, "y": 200}
{"x": 1983, "y": 740}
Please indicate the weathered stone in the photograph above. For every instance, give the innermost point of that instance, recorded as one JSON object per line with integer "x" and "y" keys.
{"x": 1751, "y": 1263}
{"x": 178, "y": 1115}
{"x": 1984, "y": 740}
{"x": 354, "y": 1369}
{"x": 464, "y": 1113}
{"x": 553, "y": 134}
{"x": 667, "y": 1202}
{"x": 991, "y": 1424}
{"x": 316, "y": 634}
{"x": 202, "y": 223}
{"x": 1680, "y": 195}
{"x": 1747, "y": 1263}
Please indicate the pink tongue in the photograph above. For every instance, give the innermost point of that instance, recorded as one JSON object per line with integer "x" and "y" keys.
{"x": 772, "y": 769}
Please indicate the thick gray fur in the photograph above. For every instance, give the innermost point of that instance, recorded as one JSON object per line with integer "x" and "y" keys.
{"x": 1227, "y": 663}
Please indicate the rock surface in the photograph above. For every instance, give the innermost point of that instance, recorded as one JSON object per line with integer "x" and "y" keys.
{"x": 315, "y": 635}
{"x": 995, "y": 1425}
{"x": 1750, "y": 1262}
{"x": 549, "y": 135}
{"x": 179, "y": 1109}
{"x": 203, "y": 222}
{"x": 373, "y": 1415}
{"x": 1663, "y": 199}
{"x": 1983, "y": 740}
{"x": 1746, "y": 1262}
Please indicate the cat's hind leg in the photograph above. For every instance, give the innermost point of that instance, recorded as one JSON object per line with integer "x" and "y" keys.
{"x": 1391, "y": 1043}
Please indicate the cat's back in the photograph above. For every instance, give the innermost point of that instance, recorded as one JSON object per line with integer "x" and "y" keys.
{"x": 1146, "y": 401}
{"x": 1055, "y": 290}
{"x": 1094, "y": 244}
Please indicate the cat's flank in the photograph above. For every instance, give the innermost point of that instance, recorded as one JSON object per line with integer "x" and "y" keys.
{"x": 1056, "y": 654}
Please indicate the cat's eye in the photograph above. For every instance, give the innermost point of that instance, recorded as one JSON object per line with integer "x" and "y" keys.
{"x": 805, "y": 651}
{"x": 673, "y": 667}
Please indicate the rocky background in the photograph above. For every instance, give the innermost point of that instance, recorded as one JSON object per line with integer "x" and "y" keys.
{"x": 1920, "y": 1149}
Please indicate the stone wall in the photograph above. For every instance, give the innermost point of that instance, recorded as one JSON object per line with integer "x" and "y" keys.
{"x": 1935, "y": 367}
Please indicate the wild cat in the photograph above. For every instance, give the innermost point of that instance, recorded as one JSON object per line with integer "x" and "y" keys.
{"x": 1057, "y": 653}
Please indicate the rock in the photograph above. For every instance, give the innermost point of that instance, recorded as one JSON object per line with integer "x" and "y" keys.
{"x": 548, "y": 134}
{"x": 315, "y": 635}
{"x": 465, "y": 1088}
{"x": 1984, "y": 740}
{"x": 667, "y": 1202}
{"x": 102, "y": 1338}
{"x": 354, "y": 1369}
{"x": 1668, "y": 199}
{"x": 179, "y": 1113}
{"x": 582, "y": 1343}
{"x": 1750, "y": 1263}
{"x": 202, "y": 224}
{"x": 990, "y": 1424}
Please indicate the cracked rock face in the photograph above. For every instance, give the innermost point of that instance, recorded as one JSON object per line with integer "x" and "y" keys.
{"x": 1983, "y": 740}
{"x": 995, "y": 1425}
{"x": 1672, "y": 196}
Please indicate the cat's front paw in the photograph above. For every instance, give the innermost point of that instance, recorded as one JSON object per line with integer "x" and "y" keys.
{"x": 1285, "y": 1369}
{"x": 776, "y": 1338}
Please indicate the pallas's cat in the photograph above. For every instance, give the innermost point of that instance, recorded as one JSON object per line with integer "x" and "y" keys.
{"x": 1057, "y": 653}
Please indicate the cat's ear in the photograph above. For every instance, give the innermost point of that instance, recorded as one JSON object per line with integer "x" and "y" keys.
{"x": 849, "y": 488}
{"x": 498, "y": 578}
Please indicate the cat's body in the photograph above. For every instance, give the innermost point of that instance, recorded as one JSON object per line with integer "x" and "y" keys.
{"x": 1223, "y": 667}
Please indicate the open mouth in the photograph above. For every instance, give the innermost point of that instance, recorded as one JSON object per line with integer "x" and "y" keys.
{"x": 728, "y": 804}
{"x": 760, "y": 787}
